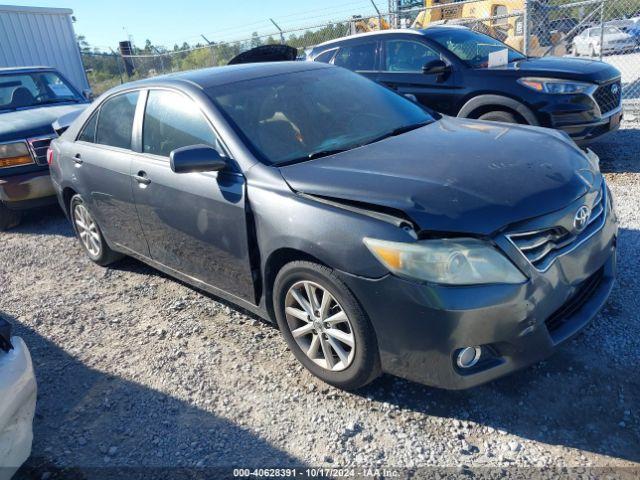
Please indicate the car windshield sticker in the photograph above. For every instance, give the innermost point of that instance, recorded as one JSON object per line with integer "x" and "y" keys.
{"x": 498, "y": 58}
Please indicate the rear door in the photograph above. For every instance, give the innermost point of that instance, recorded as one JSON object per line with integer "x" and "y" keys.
{"x": 402, "y": 60}
{"x": 102, "y": 158}
{"x": 195, "y": 223}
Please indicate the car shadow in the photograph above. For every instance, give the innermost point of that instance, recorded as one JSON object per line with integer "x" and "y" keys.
{"x": 576, "y": 398}
{"x": 44, "y": 221}
{"x": 105, "y": 435}
{"x": 619, "y": 152}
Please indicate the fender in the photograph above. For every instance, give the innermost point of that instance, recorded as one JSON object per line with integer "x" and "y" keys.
{"x": 498, "y": 100}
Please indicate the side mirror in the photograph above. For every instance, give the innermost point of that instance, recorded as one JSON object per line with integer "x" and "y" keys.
{"x": 196, "y": 158}
{"x": 435, "y": 67}
{"x": 87, "y": 94}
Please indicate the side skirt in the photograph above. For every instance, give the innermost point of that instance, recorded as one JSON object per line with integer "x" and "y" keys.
{"x": 255, "y": 309}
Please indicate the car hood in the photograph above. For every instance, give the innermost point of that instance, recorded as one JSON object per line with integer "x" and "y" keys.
{"x": 562, "y": 67}
{"x": 33, "y": 122}
{"x": 455, "y": 175}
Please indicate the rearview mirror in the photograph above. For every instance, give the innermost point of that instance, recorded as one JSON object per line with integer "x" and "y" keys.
{"x": 196, "y": 158}
{"x": 435, "y": 67}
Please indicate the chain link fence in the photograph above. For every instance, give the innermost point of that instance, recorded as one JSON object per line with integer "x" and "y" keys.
{"x": 606, "y": 30}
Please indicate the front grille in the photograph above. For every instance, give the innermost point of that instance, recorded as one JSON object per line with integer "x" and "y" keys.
{"x": 605, "y": 97}
{"x": 576, "y": 302}
{"x": 39, "y": 148}
{"x": 542, "y": 247}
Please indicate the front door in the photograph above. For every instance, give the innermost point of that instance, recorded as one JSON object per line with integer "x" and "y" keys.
{"x": 401, "y": 70}
{"x": 194, "y": 223}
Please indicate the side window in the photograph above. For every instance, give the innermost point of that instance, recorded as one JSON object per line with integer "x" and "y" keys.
{"x": 408, "y": 55}
{"x": 115, "y": 122}
{"x": 357, "y": 57}
{"x": 325, "y": 57}
{"x": 88, "y": 133}
{"x": 172, "y": 121}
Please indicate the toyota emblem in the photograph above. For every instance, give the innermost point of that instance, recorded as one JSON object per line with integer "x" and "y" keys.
{"x": 615, "y": 89}
{"x": 581, "y": 218}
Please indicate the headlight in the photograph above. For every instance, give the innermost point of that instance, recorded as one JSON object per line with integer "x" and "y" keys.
{"x": 14, "y": 155}
{"x": 551, "y": 85}
{"x": 464, "y": 261}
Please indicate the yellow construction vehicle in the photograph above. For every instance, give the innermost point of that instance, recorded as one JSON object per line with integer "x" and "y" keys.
{"x": 502, "y": 19}
{"x": 363, "y": 25}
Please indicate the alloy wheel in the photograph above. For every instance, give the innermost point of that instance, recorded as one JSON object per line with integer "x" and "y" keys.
{"x": 320, "y": 326}
{"x": 87, "y": 230}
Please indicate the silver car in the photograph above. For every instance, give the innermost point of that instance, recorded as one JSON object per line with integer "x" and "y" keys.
{"x": 613, "y": 40}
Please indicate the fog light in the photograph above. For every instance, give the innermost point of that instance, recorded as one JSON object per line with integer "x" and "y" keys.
{"x": 468, "y": 357}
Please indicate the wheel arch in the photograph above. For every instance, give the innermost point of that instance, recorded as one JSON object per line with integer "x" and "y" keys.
{"x": 482, "y": 104}
{"x": 274, "y": 263}
{"x": 67, "y": 195}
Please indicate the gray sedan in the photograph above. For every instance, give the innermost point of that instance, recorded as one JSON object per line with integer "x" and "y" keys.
{"x": 380, "y": 236}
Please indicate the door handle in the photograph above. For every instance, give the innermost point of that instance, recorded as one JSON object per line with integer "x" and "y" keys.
{"x": 142, "y": 178}
{"x": 77, "y": 159}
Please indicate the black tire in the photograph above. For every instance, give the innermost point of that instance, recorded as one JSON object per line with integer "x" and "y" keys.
{"x": 103, "y": 255}
{"x": 365, "y": 365}
{"x": 8, "y": 218}
{"x": 499, "y": 116}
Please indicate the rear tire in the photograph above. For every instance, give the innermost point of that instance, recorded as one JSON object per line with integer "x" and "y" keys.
{"x": 90, "y": 235}
{"x": 499, "y": 116}
{"x": 328, "y": 355}
{"x": 8, "y": 218}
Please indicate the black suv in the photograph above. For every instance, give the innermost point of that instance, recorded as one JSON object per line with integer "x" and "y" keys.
{"x": 447, "y": 68}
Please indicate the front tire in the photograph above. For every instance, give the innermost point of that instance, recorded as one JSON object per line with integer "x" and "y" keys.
{"x": 499, "y": 116}
{"x": 8, "y": 218}
{"x": 325, "y": 326}
{"x": 90, "y": 235}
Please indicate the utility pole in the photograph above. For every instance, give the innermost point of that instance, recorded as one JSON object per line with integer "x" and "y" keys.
{"x": 379, "y": 14}
{"x": 282, "y": 42}
{"x": 213, "y": 54}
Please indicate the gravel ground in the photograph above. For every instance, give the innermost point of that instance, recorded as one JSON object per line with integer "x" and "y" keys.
{"x": 136, "y": 369}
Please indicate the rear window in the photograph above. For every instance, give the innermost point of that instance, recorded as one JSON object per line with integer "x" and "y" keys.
{"x": 357, "y": 57}
{"x": 115, "y": 122}
{"x": 88, "y": 133}
{"x": 326, "y": 57}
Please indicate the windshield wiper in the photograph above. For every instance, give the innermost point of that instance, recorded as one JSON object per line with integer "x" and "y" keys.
{"x": 399, "y": 131}
{"x": 312, "y": 156}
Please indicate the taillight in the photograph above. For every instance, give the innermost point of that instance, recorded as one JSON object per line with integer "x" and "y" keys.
{"x": 50, "y": 156}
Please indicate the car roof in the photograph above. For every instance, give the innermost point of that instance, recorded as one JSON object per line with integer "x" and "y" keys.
{"x": 407, "y": 31}
{"x": 216, "y": 76}
{"x": 6, "y": 70}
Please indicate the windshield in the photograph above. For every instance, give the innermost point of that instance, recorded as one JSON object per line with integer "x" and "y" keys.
{"x": 24, "y": 90}
{"x": 300, "y": 116}
{"x": 471, "y": 47}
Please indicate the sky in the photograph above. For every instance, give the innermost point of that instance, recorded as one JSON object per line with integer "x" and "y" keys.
{"x": 105, "y": 22}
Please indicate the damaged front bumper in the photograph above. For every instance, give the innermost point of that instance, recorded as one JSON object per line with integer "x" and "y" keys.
{"x": 17, "y": 407}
